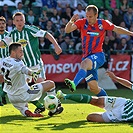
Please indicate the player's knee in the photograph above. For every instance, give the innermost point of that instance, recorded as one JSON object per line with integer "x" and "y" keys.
{"x": 89, "y": 118}
{"x": 51, "y": 84}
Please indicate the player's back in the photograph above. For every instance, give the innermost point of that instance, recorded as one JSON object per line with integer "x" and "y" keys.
{"x": 14, "y": 79}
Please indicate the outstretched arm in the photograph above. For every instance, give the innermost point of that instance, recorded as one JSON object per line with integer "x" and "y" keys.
{"x": 50, "y": 37}
{"x": 122, "y": 81}
{"x": 120, "y": 30}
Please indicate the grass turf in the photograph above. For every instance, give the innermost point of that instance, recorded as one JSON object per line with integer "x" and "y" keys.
{"x": 72, "y": 120}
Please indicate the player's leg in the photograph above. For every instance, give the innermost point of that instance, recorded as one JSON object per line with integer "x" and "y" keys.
{"x": 114, "y": 109}
{"x": 1, "y": 104}
{"x": 92, "y": 75}
{"x": 49, "y": 88}
{"x": 41, "y": 88}
{"x": 84, "y": 98}
{"x": 23, "y": 108}
{"x": 48, "y": 85}
{"x": 3, "y": 95}
{"x": 40, "y": 107}
{"x": 93, "y": 85}
{"x": 96, "y": 117}
{"x": 80, "y": 98}
{"x": 92, "y": 62}
{"x": 20, "y": 103}
{"x": 85, "y": 65}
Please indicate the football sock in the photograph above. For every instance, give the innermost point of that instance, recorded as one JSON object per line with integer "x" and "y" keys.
{"x": 80, "y": 98}
{"x": 37, "y": 104}
{"x": 80, "y": 76}
{"x": 102, "y": 93}
{"x": 3, "y": 94}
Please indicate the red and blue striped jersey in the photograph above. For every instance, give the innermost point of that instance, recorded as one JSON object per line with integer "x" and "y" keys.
{"x": 93, "y": 36}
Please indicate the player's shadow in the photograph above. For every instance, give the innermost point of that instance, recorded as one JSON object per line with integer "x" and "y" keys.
{"x": 62, "y": 126}
{"x": 11, "y": 118}
{"x": 76, "y": 124}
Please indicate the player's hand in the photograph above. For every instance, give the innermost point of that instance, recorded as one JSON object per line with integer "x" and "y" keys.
{"x": 58, "y": 50}
{"x": 110, "y": 74}
{"x": 35, "y": 75}
{"x": 74, "y": 18}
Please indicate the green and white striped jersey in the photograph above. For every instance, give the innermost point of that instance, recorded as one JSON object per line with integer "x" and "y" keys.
{"x": 127, "y": 114}
{"x": 32, "y": 53}
{"x": 3, "y": 51}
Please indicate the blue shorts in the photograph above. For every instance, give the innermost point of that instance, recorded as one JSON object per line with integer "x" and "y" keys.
{"x": 98, "y": 60}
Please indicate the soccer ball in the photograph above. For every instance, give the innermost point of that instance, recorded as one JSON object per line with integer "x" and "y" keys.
{"x": 50, "y": 102}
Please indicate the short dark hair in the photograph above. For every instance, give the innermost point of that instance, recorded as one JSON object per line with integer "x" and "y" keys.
{"x": 92, "y": 7}
{"x": 3, "y": 19}
{"x": 13, "y": 46}
{"x": 17, "y": 14}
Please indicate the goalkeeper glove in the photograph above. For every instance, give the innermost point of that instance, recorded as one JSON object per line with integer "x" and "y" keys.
{"x": 35, "y": 75}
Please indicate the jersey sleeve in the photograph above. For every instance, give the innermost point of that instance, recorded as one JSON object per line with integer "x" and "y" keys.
{"x": 36, "y": 32}
{"x": 108, "y": 25}
{"x": 79, "y": 23}
{"x": 18, "y": 66}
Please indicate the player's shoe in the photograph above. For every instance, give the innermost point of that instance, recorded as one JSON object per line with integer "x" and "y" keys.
{"x": 70, "y": 84}
{"x": 30, "y": 114}
{"x": 4, "y": 100}
{"x": 60, "y": 95}
{"x": 39, "y": 110}
{"x": 58, "y": 111}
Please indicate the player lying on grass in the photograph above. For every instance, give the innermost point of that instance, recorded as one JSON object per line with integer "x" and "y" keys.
{"x": 19, "y": 92}
{"x": 118, "y": 109}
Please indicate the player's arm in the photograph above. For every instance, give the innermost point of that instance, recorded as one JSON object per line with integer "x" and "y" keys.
{"x": 27, "y": 71}
{"x": 42, "y": 33}
{"x": 5, "y": 41}
{"x": 121, "y": 30}
{"x": 1, "y": 43}
{"x": 70, "y": 26}
{"x": 122, "y": 81}
{"x": 50, "y": 37}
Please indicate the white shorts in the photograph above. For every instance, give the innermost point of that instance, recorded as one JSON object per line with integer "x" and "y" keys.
{"x": 35, "y": 69}
{"x": 114, "y": 107}
{"x": 32, "y": 94}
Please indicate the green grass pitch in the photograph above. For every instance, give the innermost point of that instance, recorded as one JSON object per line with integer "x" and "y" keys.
{"x": 72, "y": 120}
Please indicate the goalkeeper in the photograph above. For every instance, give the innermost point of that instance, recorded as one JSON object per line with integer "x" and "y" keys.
{"x": 118, "y": 109}
{"x": 28, "y": 35}
{"x": 16, "y": 87}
